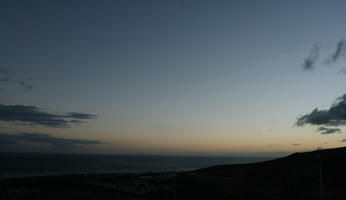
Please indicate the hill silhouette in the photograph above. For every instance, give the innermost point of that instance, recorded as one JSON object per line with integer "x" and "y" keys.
{"x": 297, "y": 176}
{"x": 308, "y": 175}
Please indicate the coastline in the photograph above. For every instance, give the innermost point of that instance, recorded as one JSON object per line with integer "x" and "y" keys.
{"x": 38, "y": 164}
{"x": 296, "y": 176}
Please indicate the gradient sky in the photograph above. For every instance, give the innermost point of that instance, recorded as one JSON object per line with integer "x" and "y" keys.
{"x": 175, "y": 77}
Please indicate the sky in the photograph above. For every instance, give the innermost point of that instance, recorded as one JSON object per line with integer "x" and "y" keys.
{"x": 172, "y": 77}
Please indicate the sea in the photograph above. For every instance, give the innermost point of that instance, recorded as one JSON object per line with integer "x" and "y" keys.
{"x": 27, "y": 164}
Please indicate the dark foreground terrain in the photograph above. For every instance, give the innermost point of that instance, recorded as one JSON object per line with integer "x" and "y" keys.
{"x": 293, "y": 177}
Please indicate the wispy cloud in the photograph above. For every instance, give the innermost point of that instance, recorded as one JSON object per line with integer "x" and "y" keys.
{"x": 5, "y": 79}
{"x": 6, "y": 72}
{"x": 58, "y": 143}
{"x": 272, "y": 145}
{"x": 325, "y": 130}
{"x": 342, "y": 71}
{"x": 265, "y": 131}
{"x": 310, "y": 61}
{"x": 26, "y": 85}
{"x": 340, "y": 50}
{"x": 8, "y": 76}
{"x": 334, "y": 116}
{"x": 32, "y": 115}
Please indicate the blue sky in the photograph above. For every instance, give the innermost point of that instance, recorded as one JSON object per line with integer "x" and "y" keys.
{"x": 172, "y": 77}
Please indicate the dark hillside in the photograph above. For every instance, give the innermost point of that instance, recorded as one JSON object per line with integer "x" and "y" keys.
{"x": 293, "y": 177}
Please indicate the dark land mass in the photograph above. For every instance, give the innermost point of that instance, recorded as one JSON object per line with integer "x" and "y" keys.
{"x": 297, "y": 176}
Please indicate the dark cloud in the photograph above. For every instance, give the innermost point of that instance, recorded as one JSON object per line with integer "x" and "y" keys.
{"x": 334, "y": 116}
{"x": 26, "y": 85}
{"x": 32, "y": 115}
{"x": 309, "y": 62}
{"x": 295, "y": 144}
{"x": 54, "y": 142}
{"x": 339, "y": 51}
{"x": 81, "y": 115}
{"x": 325, "y": 130}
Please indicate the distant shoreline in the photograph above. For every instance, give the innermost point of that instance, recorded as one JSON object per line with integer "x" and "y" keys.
{"x": 37, "y": 164}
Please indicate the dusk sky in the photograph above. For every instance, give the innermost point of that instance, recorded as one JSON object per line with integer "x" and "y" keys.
{"x": 172, "y": 77}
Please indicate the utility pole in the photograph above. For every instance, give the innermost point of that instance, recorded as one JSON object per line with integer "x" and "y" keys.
{"x": 174, "y": 189}
{"x": 320, "y": 166}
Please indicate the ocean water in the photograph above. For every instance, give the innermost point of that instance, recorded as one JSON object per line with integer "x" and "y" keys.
{"x": 22, "y": 164}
